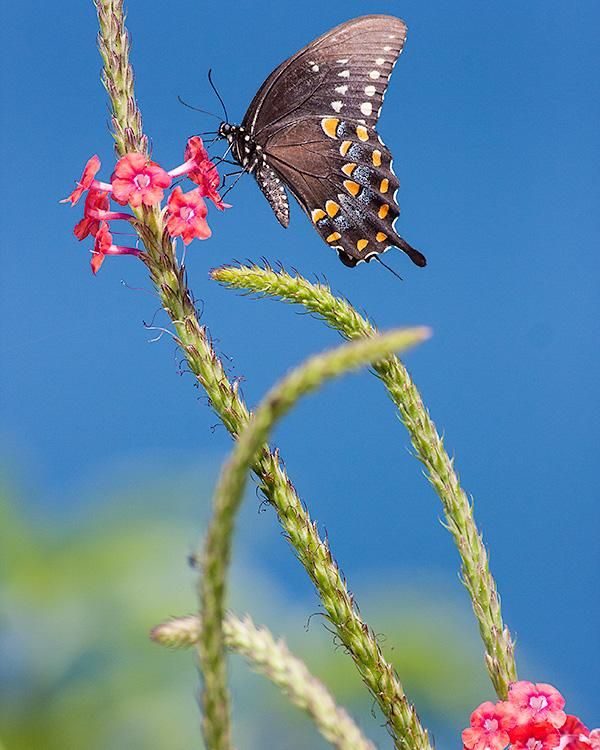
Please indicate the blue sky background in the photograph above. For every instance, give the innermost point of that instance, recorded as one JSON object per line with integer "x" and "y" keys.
{"x": 492, "y": 115}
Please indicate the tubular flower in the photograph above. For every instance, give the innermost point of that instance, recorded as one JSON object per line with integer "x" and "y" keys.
{"x": 85, "y": 183}
{"x": 138, "y": 180}
{"x": 489, "y": 726}
{"x": 207, "y": 178}
{"x": 534, "y": 736}
{"x": 186, "y": 214}
{"x": 96, "y": 201}
{"x": 538, "y": 703}
{"x": 195, "y": 155}
{"x": 103, "y": 246}
{"x": 200, "y": 169}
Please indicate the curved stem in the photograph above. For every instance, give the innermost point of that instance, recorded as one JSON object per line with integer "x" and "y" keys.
{"x": 228, "y": 496}
{"x": 429, "y": 446}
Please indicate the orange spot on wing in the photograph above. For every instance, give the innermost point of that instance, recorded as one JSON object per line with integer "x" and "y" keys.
{"x": 352, "y": 187}
{"x": 317, "y": 214}
{"x": 361, "y": 244}
{"x": 383, "y": 211}
{"x": 349, "y": 168}
{"x": 344, "y": 148}
{"x": 334, "y": 236}
{"x": 380, "y": 237}
{"x": 329, "y": 125}
{"x": 385, "y": 184}
{"x": 332, "y": 208}
{"x": 376, "y": 158}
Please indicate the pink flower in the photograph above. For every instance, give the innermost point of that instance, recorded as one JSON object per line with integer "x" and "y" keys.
{"x": 574, "y": 735}
{"x": 537, "y": 703}
{"x": 187, "y": 215}
{"x": 207, "y": 178}
{"x": 534, "y": 736}
{"x": 195, "y": 155}
{"x": 95, "y": 200}
{"x": 201, "y": 170}
{"x": 138, "y": 180}
{"x": 103, "y": 246}
{"x": 489, "y": 726}
{"x": 595, "y": 739}
{"x": 85, "y": 183}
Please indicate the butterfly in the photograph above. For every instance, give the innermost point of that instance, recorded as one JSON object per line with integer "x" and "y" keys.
{"x": 311, "y": 129}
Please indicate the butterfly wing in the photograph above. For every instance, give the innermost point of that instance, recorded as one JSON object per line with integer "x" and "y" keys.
{"x": 344, "y": 72}
{"x": 313, "y": 121}
{"x": 344, "y": 182}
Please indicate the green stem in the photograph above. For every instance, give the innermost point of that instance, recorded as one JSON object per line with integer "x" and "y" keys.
{"x": 272, "y": 659}
{"x": 169, "y": 279}
{"x": 228, "y": 496}
{"x": 429, "y": 447}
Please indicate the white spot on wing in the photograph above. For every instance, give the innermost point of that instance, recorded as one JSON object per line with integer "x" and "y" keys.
{"x": 374, "y": 74}
{"x": 344, "y": 74}
{"x": 337, "y": 106}
{"x": 370, "y": 90}
{"x": 380, "y": 61}
{"x": 366, "y": 108}
{"x": 315, "y": 68}
{"x": 343, "y": 61}
{"x": 387, "y": 48}
{"x": 342, "y": 89}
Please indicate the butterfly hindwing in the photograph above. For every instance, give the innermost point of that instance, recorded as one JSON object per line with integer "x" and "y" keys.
{"x": 345, "y": 183}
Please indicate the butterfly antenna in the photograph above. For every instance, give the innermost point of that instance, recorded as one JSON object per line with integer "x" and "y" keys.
{"x": 389, "y": 268}
{"x": 214, "y": 88}
{"x": 197, "y": 109}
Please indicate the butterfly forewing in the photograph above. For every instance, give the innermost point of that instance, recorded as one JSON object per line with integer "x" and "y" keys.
{"x": 345, "y": 72}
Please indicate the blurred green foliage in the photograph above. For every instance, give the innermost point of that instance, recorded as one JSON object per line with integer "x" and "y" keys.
{"x": 79, "y": 592}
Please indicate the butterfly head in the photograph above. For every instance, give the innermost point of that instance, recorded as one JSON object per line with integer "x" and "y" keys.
{"x": 227, "y": 131}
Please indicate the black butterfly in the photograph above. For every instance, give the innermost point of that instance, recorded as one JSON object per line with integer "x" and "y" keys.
{"x": 311, "y": 128}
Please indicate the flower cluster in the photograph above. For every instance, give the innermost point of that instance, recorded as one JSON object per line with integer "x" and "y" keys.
{"x": 138, "y": 181}
{"x": 531, "y": 719}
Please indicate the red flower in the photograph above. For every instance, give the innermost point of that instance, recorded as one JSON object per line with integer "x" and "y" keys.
{"x": 194, "y": 150}
{"x": 534, "y": 736}
{"x": 138, "y": 180}
{"x": 86, "y": 181}
{"x": 208, "y": 179}
{"x": 539, "y": 703}
{"x": 489, "y": 726}
{"x": 103, "y": 246}
{"x": 574, "y": 735}
{"x": 95, "y": 200}
{"x": 201, "y": 170}
{"x": 187, "y": 215}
